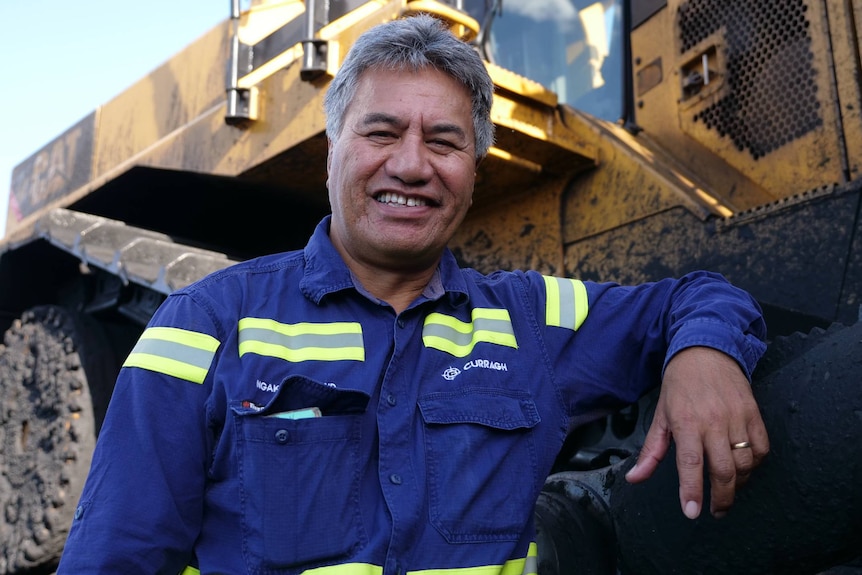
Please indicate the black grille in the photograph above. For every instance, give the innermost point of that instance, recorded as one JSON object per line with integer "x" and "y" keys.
{"x": 772, "y": 89}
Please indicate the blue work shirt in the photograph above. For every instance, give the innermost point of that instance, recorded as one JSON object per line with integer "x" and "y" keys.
{"x": 275, "y": 418}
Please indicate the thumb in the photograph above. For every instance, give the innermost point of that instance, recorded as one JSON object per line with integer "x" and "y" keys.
{"x": 654, "y": 449}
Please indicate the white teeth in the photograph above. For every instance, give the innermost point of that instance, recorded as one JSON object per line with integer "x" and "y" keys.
{"x": 399, "y": 200}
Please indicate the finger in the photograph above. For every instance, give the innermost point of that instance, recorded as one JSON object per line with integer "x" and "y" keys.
{"x": 747, "y": 458}
{"x": 741, "y": 452}
{"x": 722, "y": 476}
{"x": 689, "y": 464}
{"x": 654, "y": 449}
{"x": 758, "y": 438}
{"x": 743, "y": 460}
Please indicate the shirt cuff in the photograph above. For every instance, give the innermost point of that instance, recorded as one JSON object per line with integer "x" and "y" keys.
{"x": 745, "y": 348}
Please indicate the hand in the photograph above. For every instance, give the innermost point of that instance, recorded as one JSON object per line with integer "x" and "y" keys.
{"x": 706, "y": 406}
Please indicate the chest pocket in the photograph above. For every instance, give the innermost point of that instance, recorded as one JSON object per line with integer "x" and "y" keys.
{"x": 481, "y": 458}
{"x": 299, "y": 478}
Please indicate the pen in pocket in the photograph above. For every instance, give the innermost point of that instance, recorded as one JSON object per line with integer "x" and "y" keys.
{"x": 304, "y": 413}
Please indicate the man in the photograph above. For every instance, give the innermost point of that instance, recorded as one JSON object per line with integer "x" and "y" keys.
{"x": 364, "y": 406}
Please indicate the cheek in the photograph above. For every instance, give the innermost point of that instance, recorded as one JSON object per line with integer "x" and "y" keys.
{"x": 352, "y": 168}
{"x": 339, "y": 177}
{"x": 461, "y": 183}
{"x": 332, "y": 184}
{"x": 330, "y": 194}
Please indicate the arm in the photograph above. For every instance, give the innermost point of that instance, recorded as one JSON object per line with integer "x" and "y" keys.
{"x": 703, "y": 337}
{"x": 706, "y": 406}
{"x": 141, "y": 507}
{"x": 714, "y": 337}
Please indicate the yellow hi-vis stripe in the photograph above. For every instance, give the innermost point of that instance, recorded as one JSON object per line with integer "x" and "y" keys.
{"x": 526, "y": 566}
{"x": 566, "y": 302}
{"x": 173, "y": 351}
{"x": 346, "y": 569}
{"x": 458, "y": 338}
{"x": 336, "y": 341}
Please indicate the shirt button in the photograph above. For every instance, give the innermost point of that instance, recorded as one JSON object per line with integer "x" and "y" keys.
{"x": 282, "y": 435}
{"x": 79, "y": 512}
{"x": 395, "y": 479}
{"x": 400, "y": 323}
{"x": 390, "y": 399}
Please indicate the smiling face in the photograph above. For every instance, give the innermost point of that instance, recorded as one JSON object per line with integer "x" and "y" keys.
{"x": 401, "y": 172}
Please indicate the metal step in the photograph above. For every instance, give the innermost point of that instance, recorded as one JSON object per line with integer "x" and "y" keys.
{"x": 151, "y": 259}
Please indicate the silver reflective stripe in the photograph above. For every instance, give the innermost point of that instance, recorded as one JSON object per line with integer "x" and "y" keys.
{"x": 173, "y": 351}
{"x": 458, "y": 338}
{"x": 301, "y": 341}
{"x": 531, "y": 565}
{"x": 465, "y": 338}
{"x": 566, "y": 302}
{"x": 199, "y": 358}
{"x": 305, "y": 341}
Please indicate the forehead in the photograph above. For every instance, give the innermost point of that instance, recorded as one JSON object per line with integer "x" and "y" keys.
{"x": 427, "y": 93}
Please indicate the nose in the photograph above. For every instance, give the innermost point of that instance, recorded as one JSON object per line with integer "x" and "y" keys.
{"x": 409, "y": 161}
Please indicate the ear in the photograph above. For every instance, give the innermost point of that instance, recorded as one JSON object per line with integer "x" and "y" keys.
{"x": 328, "y": 154}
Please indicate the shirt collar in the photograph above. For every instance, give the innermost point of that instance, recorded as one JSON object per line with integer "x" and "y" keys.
{"x": 326, "y": 272}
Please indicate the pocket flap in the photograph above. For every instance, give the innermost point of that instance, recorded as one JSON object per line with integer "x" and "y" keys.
{"x": 495, "y": 408}
{"x": 299, "y": 392}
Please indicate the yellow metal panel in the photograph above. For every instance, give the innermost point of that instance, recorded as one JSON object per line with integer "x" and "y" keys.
{"x": 515, "y": 232}
{"x": 54, "y": 171}
{"x": 530, "y": 133}
{"x": 462, "y": 25}
{"x": 174, "y": 119}
{"x": 656, "y": 86}
{"x": 519, "y": 85}
{"x": 845, "y": 19}
{"x": 740, "y": 178}
{"x": 635, "y": 179}
{"x": 770, "y": 93}
{"x": 166, "y": 100}
{"x": 196, "y": 138}
{"x": 261, "y": 20}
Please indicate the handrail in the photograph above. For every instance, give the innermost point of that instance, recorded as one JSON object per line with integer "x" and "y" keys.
{"x": 464, "y": 26}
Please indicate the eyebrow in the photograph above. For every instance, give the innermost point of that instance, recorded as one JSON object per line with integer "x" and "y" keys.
{"x": 380, "y": 118}
{"x": 389, "y": 119}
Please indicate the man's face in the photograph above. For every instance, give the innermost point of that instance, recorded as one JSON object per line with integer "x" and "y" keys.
{"x": 401, "y": 172}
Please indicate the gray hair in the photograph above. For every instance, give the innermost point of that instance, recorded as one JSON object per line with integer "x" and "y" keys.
{"x": 413, "y": 44}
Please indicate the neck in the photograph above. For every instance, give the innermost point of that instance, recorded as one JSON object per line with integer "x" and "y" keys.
{"x": 397, "y": 288}
{"x": 396, "y": 278}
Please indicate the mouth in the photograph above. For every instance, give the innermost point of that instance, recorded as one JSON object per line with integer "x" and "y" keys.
{"x": 399, "y": 200}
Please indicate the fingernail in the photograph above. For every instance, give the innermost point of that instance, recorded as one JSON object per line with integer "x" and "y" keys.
{"x": 691, "y": 510}
{"x": 719, "y": 514}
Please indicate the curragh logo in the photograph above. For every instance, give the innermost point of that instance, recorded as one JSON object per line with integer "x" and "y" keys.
{"x": 451, "y": 373}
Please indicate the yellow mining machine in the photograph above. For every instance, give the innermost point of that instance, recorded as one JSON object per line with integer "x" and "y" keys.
{"x": 636, "y": 139}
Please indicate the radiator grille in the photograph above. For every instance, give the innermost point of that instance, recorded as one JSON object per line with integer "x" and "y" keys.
{"x": 772, "y": 83}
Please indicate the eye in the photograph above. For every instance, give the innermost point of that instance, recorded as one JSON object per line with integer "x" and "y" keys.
{"x": 381, "y": 135}
{"x": 442, "y": 145}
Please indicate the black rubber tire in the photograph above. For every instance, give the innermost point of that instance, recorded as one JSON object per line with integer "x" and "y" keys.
{"x": 807, "y": 386}
{"x": 48, "y": 361}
